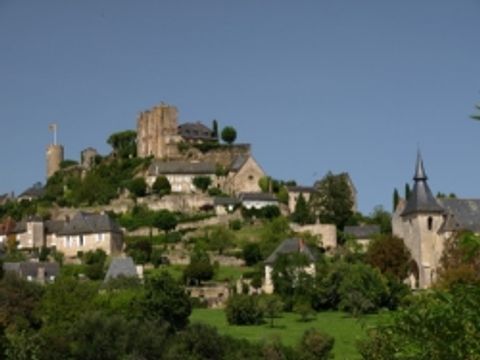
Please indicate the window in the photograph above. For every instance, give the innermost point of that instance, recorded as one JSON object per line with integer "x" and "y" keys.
{"x": 81, "y": 241}
{"x": 430, "y": 223}
{"x": 250, "y": 177}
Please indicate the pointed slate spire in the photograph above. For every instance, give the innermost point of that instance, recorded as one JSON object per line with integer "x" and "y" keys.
{"x": 421, "y": 199}
{"x": 419, "y": 169}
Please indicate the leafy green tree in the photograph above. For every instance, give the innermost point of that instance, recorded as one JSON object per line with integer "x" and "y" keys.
{"x": 137, "y": 186}
{"x": 161, "y": 186}
{"x": 124, "y": 143}
{"x": 315, "y": 345}
{"x": 19, "y": 303}
{"x": 220, "y": 238}
{"x": 380, "y": 217}
{"x": 243, "y": 310}
{"x": 66, "y": 299}
{"x": 199, "y": 269}
{"x": 229, "y": 134}
{"x": 460, "y": 261}
{"x": 21, "y": 346}
{"x": 139, "y": 248}
{"x": 389, "y": 254}
{"x": 272, "y": 307}
{"x": 164, "y": 220}
{"x": 362, "y": 290}
{"x": 252, "y": 254}
{"x": 440, "y": 325}
{"x": 333, "y": 200}
{"x": 202, "y": 182}
{"x": 303, "y": 308}
{"x": 67, "y": 163}
{"x": 94, "y": 264}
{"x": 166, "y": 299}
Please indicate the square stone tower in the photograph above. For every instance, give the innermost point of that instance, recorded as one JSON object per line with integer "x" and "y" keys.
{"x": 157, "y": 132}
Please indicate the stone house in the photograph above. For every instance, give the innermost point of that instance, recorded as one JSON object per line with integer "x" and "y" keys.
{"x": 196, "y": 132}
{"x": 41, "y": 272}
{"x": 180, "y": 174}
{"x": 425, "y": 223}
{"x": 257, "y": 200}
{"x": 29, "y": 233}
{"x": 243, "y": 175}
{"x": 288, "y": 246}
{"x": 32, "y": 193}
{"x": 363, "y": 234}
{"x": 85, "y": 232}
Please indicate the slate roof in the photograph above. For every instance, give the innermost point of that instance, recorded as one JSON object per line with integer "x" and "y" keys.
{"x": 291, "y": 246}
{"x": 462, "y": 214}
{"x": 301, "y": 189}
{"x": 238, "y": 162}
{"x": 121, "y": 266}
{"x": 363, "y": 231}
{"x": 181, "y": 167}
{"x": 223, "y": 200}
{"x": 35, "y": 191}
{"x": 54, "y": 226}
{"x": 84, "y": 223}
{"x": 195, "y": 131}
{"x": 256, "y": 196}
{"x": 421, "y": 199}
{"x": 27, "y": 268}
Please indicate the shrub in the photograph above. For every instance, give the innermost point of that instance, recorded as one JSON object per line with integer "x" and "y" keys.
{"x": 229, "y": 134}
{"x": 161, "y": 186}
{"x": 315, "y": 345}
{"x": 202, "y": 182}
{"x": 137, "y": 186}
{"x": 243, "y": 310}
{"x": 252, "y": 254}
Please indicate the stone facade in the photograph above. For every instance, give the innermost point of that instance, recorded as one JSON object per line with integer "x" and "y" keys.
{"x": 70, "y": 245}
{"x": 157, "y": 133}
{"x": 87, "y": 157}
{"x": 294, "y": 193}
{"x": 327, "y": 233}
{"x": 244, "y": 178}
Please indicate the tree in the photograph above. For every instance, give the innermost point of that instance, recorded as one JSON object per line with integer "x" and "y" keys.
{"x": 303, "y": 308}
{"x": 243, "y": 310}
{"x": 315, "y": 345}
{"x": 333, "y": 200}
{"x": 137, "y": 186}
{"x": 460, "y": 261}
{"x": 396, "y": 199}
{"x": 229, "y": 134}
{"x": 199, "y": 269}
{"x": 362, "y": 290}
{"x": 19, "y": 303}
{"x": 161, "y": 186}
{"x": 252, "y": 254}
{"x": 124, "y": 143}
{"x": 202, "y": 182}
{"x": 407, "y": 191}
{"x": 302, "y": 214}
{"x": 94, "y": 264}
{"x": 166, "y": 299}
{"x": 164, "y": 220}
{"x": 139, "y": 248}
{"x": 220, "y": 238}
{"x": 215, "y": 129}
{"x": 272, "y": 307}
{"x": 389, "y": 254}
{"x": 420, "y": 330}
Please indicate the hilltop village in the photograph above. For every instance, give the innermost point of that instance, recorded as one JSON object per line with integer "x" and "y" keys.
{"x": 183, "y": 207}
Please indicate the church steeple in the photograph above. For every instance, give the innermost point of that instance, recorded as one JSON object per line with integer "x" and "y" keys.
{"x": 421, "y": 199}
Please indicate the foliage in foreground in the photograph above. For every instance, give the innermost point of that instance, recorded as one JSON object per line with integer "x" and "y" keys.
{"x": 441, "y": 325}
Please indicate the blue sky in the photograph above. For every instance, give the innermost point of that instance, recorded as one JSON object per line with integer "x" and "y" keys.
{"x": 341, "y": 85}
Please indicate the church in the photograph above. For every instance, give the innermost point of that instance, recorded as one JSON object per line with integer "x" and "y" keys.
{"x": 425, "y": 223}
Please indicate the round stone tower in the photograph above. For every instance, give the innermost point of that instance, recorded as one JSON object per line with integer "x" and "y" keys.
{"x": 54, "y": 158}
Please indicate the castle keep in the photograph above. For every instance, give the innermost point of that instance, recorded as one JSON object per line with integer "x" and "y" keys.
{"x": 157, "y": 132}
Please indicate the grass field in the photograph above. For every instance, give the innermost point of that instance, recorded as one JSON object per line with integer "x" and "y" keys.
{"x": 345, "y": 329}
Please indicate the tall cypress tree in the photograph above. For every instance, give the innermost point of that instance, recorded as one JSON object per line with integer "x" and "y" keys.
{"x": 396, "y": 199}
{"x": 407, "y": 191}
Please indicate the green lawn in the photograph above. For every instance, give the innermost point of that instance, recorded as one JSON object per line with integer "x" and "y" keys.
{"x": 345, "y": 329}
{"x": 230, "y": 273}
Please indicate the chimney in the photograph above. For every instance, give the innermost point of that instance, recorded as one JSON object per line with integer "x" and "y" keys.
{"x": 41, "y": 274}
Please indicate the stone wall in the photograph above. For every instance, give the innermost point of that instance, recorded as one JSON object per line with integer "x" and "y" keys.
{"x": 327, "y": 232}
